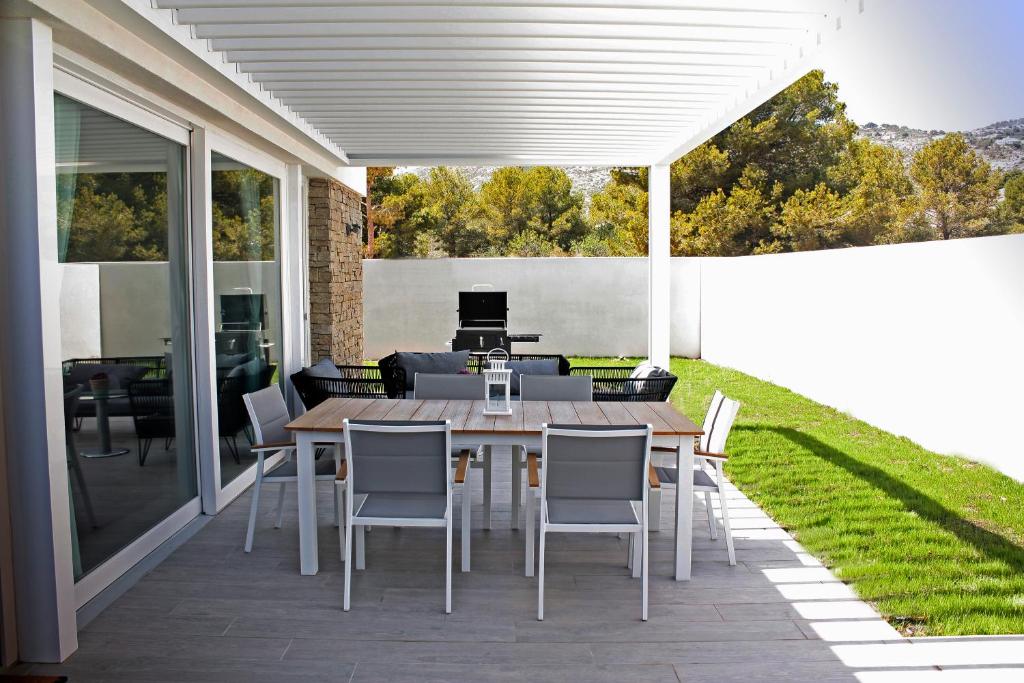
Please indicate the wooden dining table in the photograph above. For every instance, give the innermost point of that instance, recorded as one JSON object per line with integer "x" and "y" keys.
{"x": 324, "y": 424}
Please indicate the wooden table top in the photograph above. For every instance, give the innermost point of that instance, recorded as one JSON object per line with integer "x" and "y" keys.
{"x": 527, "y": 416}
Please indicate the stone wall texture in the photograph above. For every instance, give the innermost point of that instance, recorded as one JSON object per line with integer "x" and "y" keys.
{"x": 335, "y": 272}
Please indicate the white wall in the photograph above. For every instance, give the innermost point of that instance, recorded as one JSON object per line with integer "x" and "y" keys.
{"x": 582, "y": 306}
{"x": 80, "y": 310}
{"x": 923, "y": 340}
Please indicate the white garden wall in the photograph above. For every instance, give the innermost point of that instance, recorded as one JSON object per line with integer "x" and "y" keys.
{"x": 924, "y": 340}
{"x": 582, "y": 306}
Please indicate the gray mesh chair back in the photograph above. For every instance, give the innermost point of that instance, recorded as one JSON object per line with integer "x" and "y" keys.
{"x": 556, "y": 388}
{"x": 595, "y": 462}
{"x": 430, "y": 386}
{"x": 398, "y": 456}
{"x": 269, "y": 414}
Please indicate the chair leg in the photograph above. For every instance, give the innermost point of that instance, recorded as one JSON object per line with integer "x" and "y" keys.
{"x": 167, "y": 443}
{"x": 339, "y": 519}
{"x": 654, "y": 509}
{"x": 725, "y": 514}
{"x": 348, "y": 563}
{"x": 76, "y": 468}
{"x": 630, "y": 554}
{"x": 254, "y": 507}
{"x": 531, "y": 524}
{"x": 712, "y": 527}
{"x": 487, "y": 487}
{"x": 280, "y": 506}
{"x": 360, "y": 533}
{"x": 467, "y": 502}
{"x": 144, "y": 445}
{"x": 645, "y": 569}
{"x": 637, "y": 555}
{"x": 540, "y": 572}
{"x": 448, "y": 566}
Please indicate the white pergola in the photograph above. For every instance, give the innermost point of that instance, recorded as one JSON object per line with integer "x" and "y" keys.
{"x": 523, "y": 82}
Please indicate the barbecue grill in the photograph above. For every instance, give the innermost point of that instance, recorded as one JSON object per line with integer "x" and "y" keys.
{"x": 483, "y": 322}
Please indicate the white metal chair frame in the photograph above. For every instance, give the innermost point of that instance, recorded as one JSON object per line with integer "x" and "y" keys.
{"x": 710, "y": 451}
{"x": 352, "y": 517}
{"x": 639, "y": 551}
{"x": 263, "y": 450}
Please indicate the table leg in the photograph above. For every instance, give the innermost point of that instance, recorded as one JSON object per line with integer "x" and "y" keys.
{"x": 307, "y": 504}
{"x": 487, "y": 487}
{"x": 684, "y": 507}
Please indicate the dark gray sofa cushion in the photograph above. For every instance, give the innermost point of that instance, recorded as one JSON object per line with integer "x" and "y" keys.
{"x": 325, "y": 368}
{"x": 442, "y": 363}
{"x": 541, "y": 366}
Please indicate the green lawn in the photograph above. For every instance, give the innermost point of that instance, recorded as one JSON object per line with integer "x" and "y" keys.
{"x": 935, "y": 542}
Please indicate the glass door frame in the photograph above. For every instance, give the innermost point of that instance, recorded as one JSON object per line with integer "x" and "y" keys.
{"x": 73, "y": 86}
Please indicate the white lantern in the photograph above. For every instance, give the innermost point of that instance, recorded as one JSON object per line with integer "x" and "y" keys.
{"x": 497, "y": 384}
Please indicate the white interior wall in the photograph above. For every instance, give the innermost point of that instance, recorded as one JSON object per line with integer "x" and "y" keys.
{"x": 923, "y": 340}
{"x": 582, "y": 306}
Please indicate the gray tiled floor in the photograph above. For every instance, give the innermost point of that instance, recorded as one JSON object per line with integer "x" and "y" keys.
{"x": 212, "y": 613}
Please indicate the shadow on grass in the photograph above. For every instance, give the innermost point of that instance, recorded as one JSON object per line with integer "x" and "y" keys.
{"x": 991, "y": 545}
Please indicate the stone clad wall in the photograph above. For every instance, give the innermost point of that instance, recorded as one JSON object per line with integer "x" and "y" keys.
{"x": 335, "y": 272}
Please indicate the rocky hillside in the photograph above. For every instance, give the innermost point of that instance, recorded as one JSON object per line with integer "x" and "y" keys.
{"x": 1002, "y": 144}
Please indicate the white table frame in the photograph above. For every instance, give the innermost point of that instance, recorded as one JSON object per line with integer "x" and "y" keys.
{"x": 305, "y": 440}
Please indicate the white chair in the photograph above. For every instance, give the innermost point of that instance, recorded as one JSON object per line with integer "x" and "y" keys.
{"x": 268, "y": 414}
{"x": 543, "y": 388}
{"x": 594, "y": 481}
{"x": 442, "y": 387}
{"x": 710, "y": 452}
{"x": 400, "y": 475}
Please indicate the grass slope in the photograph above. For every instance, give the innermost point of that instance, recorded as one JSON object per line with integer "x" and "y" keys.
{"x": 935, "y": 542}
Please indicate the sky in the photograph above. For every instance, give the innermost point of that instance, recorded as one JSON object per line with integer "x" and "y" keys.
{"x": 931, "y": 64}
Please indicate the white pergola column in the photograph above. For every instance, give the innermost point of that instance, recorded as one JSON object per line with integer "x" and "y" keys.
{"x": 659, "y": 254}
{"x": 30, "y": 355}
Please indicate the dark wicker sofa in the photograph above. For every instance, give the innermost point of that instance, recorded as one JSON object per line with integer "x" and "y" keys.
{"x": 394, "y": 379}
{"x": 615, "y": 384}
{"x": 356, "y": 381}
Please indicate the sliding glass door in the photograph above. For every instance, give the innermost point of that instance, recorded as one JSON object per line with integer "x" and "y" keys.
{"x": 122, "y": 235}
{"x": 247, "y": 339}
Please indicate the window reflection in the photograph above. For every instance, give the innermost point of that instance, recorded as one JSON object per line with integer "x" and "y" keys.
{"x": 246, "y": 280}
{"x": 124, "y": 293}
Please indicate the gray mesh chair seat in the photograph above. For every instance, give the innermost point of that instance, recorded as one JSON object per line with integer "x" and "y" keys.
{"x": 701, "y": 479}
{"x": 408, "y": 505}
{"x": 594, "y": 481}
{"x": 400, "y": 474}
{"x": 324, "y": 467}
{"x": 590, "y": 511}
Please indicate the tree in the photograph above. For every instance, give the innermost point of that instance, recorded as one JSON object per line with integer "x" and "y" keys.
{"x": 450, "y": 210}
{"x": 876, "y": 192}
{"x": 810, "y": 219}
{"x": 1011, "y": 210}
{"x": 958, "y": 189}
{"x": 373, "y": 199}
{"x": 399, "y": 215}
{"x": 532, "y": 243}
{"x": 619, "y": 211}
{"x": 786, "y": 144}
{"x": 540, "y": 199}
{"x": 728, "y": 225}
